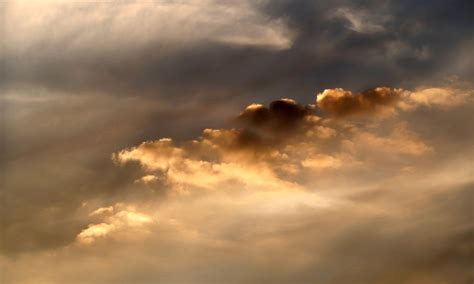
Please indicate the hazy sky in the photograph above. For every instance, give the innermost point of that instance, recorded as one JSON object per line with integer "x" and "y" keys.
{"x": 266, "y": 141}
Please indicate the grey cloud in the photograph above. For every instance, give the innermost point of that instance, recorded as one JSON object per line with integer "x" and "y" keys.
{"x": 58, "y": 157}
{"x": 323, "y": 50}
{"x": 80, "y": 91}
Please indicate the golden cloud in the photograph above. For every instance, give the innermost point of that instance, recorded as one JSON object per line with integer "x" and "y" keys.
{"x": 274, "y": 147}
{"x": 340, "y": 103}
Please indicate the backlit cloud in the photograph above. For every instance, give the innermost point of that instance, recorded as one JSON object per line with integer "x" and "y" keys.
{"x": 283, "y": 141}
{"x": 339, "y": 102}
{"x": 274, "y": 147}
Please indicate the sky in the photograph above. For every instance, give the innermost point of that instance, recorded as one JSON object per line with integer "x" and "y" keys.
{"x": 265, "y": 141}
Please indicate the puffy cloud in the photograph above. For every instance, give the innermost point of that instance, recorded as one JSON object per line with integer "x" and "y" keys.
{"x": 281, "y": 115}
{"x": 290, "y": 193}
{"x": 154, "y": 155}
{"x": 186, "y": 170}
{"x": 267, "y": 145}
{"x": 286, "y": 181}
{"x": 93, "y": 232}
{"x": 279, "y": 146}
{"x": 321, "y": 161}
{"x": 384, "y": 101}
{"x": 264, "y": 153}
{"x": 340, "y": 103}
{"x": 116, "y": 219}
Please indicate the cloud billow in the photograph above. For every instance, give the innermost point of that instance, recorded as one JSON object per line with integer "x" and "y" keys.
{"x": 288, "y": 141}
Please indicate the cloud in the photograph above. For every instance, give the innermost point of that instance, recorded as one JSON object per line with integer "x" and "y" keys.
{"x": 211, "y": 240}
{"x": 281, "y": 114}
{"x": 401, "y": 140}
{"x": 321, "y": 161}
{"x": 441, "y": 97}
{"x": 285, "y": 181}
{"x": 118, "y": 219}
{"x": 162, "y": 33}
{"x": 143, "y": 22}
{"x": 339, "y": 102}
{"x": 290, "y": 147}
{"x": 385, "y": 101}
{"x": 363, "y": 188}
{"x": 248, "y": 156}
{"x": 360, "y": 21}
{"x": 185, "y": 169}
{"x": 275, "y": 147}
{"x": 268, "y": 126}
{"x": 257, "y": 49}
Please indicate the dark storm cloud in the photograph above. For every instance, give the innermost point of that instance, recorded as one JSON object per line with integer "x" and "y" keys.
{"x": 334, "y": 44}
{"x": 410, "y": 38}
